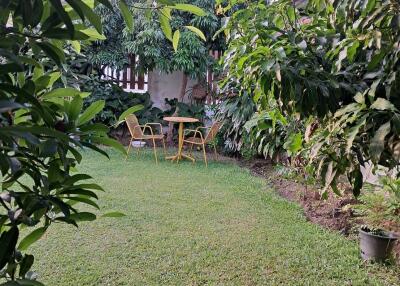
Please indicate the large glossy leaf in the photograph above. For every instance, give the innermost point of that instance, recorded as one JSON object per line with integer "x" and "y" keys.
{"x": 109, "y": 142}
{"x": 126, "y": 14}
{"x": 84, "y": 200}
{"x": 197, "y": 31}
{"x": 53, "y": 52}
{"x": 83, "y": 216}
{"x": 31, "y": 238}
{"x": 130, "y": 110}
{"x": 91, "y": 112}
{"x": 189, "y": 8}
{"x": 93, "y": 34}
{"x": 165, "y": 22}
{"x": 59, "y": 9}
{"x": 8, "y": 240}
{"x": 93, "y": 18}
{"x": 175, "y": 40}
{"x": 62, "y": 92}
{"x": 26, "y": 264}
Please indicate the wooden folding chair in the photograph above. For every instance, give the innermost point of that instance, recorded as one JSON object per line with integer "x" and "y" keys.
{"x": 199, "y": 139}
{"x": 138, "y": 133}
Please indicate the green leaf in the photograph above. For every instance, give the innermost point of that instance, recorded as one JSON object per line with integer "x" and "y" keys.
{"x": 11, "y": 68}
{"x": 75, "y": 108}
{"x": 376, "y": 59}
{"x": 113, "y": 214}
{"x": 353, "y": 133}
{"x": 165, "y": 24}
{"x": 291, "y": 14}
{"x": 109, "y": 142}
{"x": 126, "y": 14}
{"x": 76, "y": 46}
{"x": 91, "y": 112}
{"x": 175, "y": 40}
{"x": 62, "y": 34}
{"x": 85, "y": 201}
{"x": 26, "y": 264}
{"x": 8, "y": 240}
{"x": 59, "y": 9}
{"x": 370, "y": 5}
{"x": 130, "y": 110}
{"x": 52, "y": 52}
{"x": 62, "y": 92}
{"x": 93, "y": 34}
{"x": 83, "y": 216}
{"x": 294, "y": 143}
{"x": 190, "y": 8}
{"x": 31, "y": 238}
{"x": 358, "y": 182}
{"x": 90, "y": 15}
{"x": 80, "y": 192}
{"x": 351, "y": 52}
{"x": 197, "y": 31}
{"x": 378, "y": 141}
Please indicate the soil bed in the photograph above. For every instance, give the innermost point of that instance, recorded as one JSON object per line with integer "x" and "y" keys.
{"x": 335, "y": 213}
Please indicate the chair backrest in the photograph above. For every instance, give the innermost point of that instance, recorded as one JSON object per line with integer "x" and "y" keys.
{"x": 133, "y": 126}
{"x": 213, "y": 131}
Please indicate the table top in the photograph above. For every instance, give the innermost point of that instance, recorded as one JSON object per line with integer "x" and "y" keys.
{"x": 180, "y": 119}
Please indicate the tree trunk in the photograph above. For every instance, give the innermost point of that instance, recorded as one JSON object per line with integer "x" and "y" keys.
{"x": 180, "y": 99}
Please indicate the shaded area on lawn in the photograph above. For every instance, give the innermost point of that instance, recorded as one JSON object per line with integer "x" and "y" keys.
{"x": 191, "y": 225}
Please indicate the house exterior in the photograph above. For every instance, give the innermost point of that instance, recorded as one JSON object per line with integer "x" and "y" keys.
{"x": 158, "y": 84}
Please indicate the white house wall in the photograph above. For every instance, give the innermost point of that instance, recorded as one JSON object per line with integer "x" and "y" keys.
{"x": 162, "y": 85}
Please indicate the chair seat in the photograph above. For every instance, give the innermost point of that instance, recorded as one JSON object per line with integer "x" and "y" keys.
{"x": 194, "y": 140}
{"x": 147, "y": 137}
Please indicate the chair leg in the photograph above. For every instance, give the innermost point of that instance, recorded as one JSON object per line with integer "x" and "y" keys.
{"x": 165, "y": 150}
{"x": 138, "y": 148}
{"x": 191, "y": 149}
{"x": 129, "y": 148}
{"x": 205, "y": 155}
{"x": 155, "y": 150}
{"x": 215, "y": 152}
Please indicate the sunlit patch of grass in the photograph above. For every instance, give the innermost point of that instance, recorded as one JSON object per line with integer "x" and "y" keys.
{"x": 190, "y": 225}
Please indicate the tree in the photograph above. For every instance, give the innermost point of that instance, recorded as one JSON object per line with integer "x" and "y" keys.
{"x": 43, "y": 126}
{"x": 153, "y": 41}
{"x": 321, "y": 59}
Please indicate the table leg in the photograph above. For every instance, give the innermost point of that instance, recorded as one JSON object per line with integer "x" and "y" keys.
{"x": 179, "y": 156}
{"x": 180, "y": 140}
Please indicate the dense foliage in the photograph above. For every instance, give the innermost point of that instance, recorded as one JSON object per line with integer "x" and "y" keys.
{"x": 155, "y": 48}
{"x": 116, "y": 101}
{"x": 333, "y": 65}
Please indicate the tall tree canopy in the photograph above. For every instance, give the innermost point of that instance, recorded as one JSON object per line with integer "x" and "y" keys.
{"x": 150, "y": 42}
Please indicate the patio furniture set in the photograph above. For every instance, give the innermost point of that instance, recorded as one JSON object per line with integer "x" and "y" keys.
{"x": 190, "y": 137}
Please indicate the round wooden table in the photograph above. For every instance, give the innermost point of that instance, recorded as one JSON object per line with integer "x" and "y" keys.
{"x": 181, "y": 121}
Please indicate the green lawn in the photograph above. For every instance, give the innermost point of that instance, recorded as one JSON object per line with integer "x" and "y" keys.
{"x": 191, "y": 225}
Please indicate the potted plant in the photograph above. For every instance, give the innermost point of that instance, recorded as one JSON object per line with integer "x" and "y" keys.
{"x": 375, "y": 244}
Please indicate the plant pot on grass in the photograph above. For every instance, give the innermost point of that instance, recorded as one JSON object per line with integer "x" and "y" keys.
{"x": 375, "y": 244}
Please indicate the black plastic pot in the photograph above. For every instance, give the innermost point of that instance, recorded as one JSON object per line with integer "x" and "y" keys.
{"x": 376, "y": 247}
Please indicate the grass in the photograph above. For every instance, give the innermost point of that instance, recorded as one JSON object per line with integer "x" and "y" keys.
{"x": 191, "y": 225}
